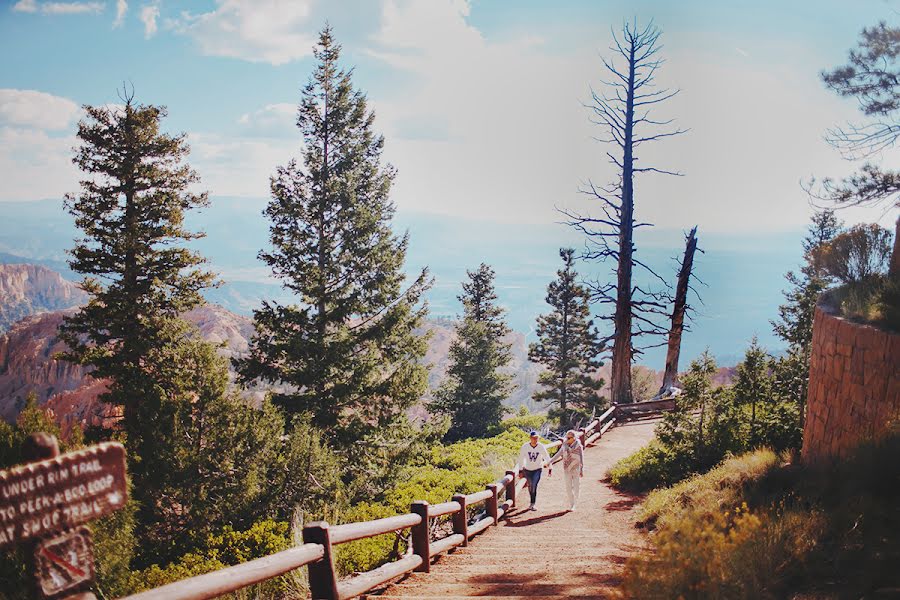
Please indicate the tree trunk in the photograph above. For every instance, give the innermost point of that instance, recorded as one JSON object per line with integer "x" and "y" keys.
{"x": 894, "y": 271}
{"x": 620, "y": 384}
{"x": 681, "y": 292}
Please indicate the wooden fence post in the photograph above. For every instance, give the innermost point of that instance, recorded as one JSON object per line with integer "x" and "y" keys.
{"x": 322, "y": 579}
{"x": 492, "y": 508}
{"x": 461, "y": 520}
{"x": 421, "y": 535}
{"x": 511, "y": 488}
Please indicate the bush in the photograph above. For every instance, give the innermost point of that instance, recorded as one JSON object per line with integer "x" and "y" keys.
{"x": 875, "y": 299}
{"x": 228, "y": 547}
{"x": 755, "y": 527}
{"x": 650, "y": 467}
{"x": 713, "y": 423}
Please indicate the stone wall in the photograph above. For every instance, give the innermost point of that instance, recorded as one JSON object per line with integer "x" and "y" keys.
{"x": 854, "y": 385}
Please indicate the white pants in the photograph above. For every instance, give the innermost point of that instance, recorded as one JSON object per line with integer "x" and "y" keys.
{"x": 573, "y": 485}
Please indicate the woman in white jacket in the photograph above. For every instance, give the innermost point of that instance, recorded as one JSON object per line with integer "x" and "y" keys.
{"x": 571, "y": 453}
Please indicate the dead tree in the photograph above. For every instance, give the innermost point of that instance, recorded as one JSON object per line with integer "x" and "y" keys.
{"x": 679, "y": 310}
{"x": 624, "y": 113}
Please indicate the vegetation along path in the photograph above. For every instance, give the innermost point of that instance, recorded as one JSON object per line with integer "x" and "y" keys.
{"x": 549, "y": 553}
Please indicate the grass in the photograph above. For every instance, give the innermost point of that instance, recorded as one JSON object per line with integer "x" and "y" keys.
{"x": 759, "y": 527}
{"x": 874, "y": 300}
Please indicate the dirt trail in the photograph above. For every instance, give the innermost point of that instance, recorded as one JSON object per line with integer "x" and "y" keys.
{"x": 549, "y": 553}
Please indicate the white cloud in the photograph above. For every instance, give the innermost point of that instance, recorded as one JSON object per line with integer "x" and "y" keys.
{"x": 58, "y": 8}
{"x": 270, "y": 31}
{"x": 28, "y": 6}
{"x": 516, "y": 142}
{"x": 149, "y": 14}
{"x": 35, "y": 165}
{"x": 238, "y": 166}
{"x": 36, "y": 141}
{"x": 275, "y": 120}
{"x": 71, "y": 8}
{"x": 30, "y": 108}
{"x": 121, "y": 10}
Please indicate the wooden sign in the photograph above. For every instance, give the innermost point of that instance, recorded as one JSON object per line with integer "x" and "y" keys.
{"x": 42, "y": 498}
{"x": 65, "y": 563}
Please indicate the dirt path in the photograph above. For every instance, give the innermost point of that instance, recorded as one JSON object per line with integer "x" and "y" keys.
{"x": 548, "y": 553}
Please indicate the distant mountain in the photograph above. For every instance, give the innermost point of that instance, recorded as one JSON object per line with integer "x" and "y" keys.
{"x": 28, "y": 364}
{"x": 27, "y": 289}
{"x": 744, "y": 272}
{"x": 29, "y": 347}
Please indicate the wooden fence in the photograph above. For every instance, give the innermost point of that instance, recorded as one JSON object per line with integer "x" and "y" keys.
{"x": 320, "y": 538}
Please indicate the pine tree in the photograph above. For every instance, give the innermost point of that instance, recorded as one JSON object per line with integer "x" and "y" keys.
{"x": 753, "y": 382}
{"x": 474, "y": 391}
{"x": 347, "y": 353}
{"x": 208, "y": 465}
{"x": 138, "y": 272}
{"x": 568, "y": 346}
{"x": 795, "y": 322}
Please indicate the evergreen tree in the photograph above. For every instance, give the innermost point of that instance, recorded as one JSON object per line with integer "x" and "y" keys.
{"x": 568, "y": 346}
{"x": 753, "y": 382}
{"x": 138, "y": 273}
{"x": 211, "y": 452}
{"x": 347, "y": 353}
{"x": 474, "y": 391}
{"x": 795, "y": 322}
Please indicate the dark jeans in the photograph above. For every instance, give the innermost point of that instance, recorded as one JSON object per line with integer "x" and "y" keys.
{"x": 533, "y": 478}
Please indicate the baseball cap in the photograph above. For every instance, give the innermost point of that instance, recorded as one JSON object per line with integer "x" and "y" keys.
{"x": 533, "y": 433}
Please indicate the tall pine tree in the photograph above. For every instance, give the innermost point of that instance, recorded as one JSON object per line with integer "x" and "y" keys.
{"x": 347, "y": 353}
{"x": 795, "y": 322}
{"x": 568, "y": 346}
{"x": 475, "y": 388}
{"x": 137, "y": 270}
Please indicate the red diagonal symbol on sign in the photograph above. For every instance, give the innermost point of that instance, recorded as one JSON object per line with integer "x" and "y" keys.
{"x": 59, "y": 560}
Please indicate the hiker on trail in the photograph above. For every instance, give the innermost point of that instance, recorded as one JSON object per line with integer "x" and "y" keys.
{"x": 571, "y": 453}
{"x": 532, "y": 458}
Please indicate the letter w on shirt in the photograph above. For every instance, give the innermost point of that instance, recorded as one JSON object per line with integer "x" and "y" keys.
{"x": 533, "y": 455}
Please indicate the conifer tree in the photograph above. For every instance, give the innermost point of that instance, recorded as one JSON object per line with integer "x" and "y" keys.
{"x": 568, "y": 346}
{"x": 475, "y": 388}
{"x": 795, "y": 322}
{"x": 136, "y": 268}
{"x": 208, "y": 465}
{"x": 753, "y": 382}
{"x": 347, "y": 353}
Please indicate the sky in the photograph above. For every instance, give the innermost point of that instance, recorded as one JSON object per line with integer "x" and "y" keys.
{"x": 482, "y": 103}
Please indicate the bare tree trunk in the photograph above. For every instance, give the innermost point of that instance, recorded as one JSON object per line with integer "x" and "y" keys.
{"x": 681, "y": 292}
{"x": 620, "y": 386}
{"x": 894, "y": 271}
{"x": 625, "y": 113}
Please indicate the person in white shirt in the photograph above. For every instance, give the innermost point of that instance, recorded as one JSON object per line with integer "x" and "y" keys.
{"x": 571, "y": 453}
{"x": 533, "y": 457}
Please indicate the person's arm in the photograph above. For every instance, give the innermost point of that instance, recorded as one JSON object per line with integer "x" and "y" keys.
{"x": 546, "y": 455}
{"x": 556, "y": 457}
{"x": 581, "y": 456}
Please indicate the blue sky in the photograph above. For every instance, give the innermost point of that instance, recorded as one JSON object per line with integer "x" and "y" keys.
{"x": 481, "y": 102}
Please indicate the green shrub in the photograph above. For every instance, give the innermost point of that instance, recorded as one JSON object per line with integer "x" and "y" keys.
{"x": 651, "y": 466}
{"x": 756, "y": 527}
{"x": 228, "y": 547}
{"x": 367, "y": 554}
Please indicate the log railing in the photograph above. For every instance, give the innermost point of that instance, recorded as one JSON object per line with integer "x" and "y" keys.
{"x": 320, "y": 538}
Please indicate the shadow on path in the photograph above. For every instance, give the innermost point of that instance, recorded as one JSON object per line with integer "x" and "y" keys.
{"x": 518, "y": 520}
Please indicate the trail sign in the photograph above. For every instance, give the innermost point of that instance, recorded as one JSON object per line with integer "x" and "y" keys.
{"x": 65, "y": 563}
{"x": 42, "y": 498}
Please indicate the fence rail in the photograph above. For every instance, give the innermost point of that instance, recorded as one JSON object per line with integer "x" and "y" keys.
{"x": 320, "y": 538}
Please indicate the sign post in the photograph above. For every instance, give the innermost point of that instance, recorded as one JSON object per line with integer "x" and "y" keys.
{"x": 45, "y": 504}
